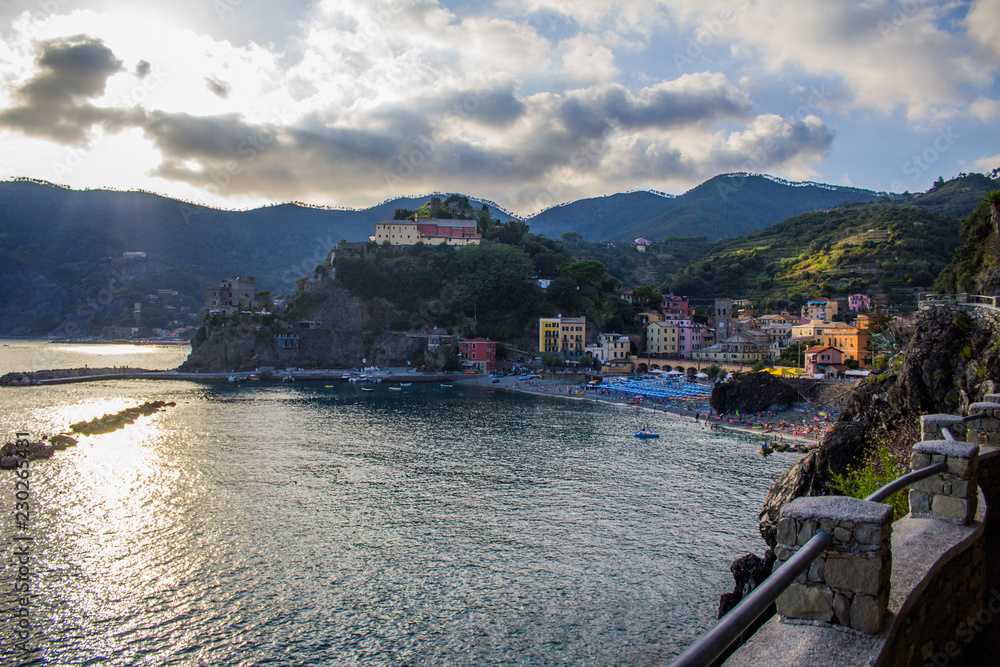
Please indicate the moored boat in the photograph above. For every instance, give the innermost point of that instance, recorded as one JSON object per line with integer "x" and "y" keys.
{"x": 646, "y": 433}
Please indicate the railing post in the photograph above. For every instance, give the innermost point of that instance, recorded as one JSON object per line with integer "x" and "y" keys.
{"x": 951, "y": 495}
{"x": 986, "y": 430}
{"x": 931, "y": 427}
{"x": 848, "y": 584}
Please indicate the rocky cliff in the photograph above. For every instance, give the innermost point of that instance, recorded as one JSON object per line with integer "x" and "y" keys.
{"x": 951, "y": 359}
{"x": 348, "y": 331}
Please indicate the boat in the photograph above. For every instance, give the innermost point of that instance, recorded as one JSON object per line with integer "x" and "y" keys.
{"x": 447, "y": 384}
{"x": 646, "y": 433}
{"x": 405, "y": 384}
{"x": 367, "y": 389}
{"x": 233, "y": 378}
{"x": 288, "y": 378}
{"x": 395, "y": 389}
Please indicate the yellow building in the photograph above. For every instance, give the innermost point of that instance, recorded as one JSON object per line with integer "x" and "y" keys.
{"x": 429, "y": 232}
{"x": 662, "y": 338}
{"x": 562, "y": 335}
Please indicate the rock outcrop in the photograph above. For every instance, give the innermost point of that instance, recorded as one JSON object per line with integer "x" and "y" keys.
{"x": 342, "y": 331}
{"x": 952, "y": 360}
{"x": 752, "y": 392}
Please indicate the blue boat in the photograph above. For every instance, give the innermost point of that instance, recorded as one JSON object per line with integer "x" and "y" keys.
{"x": 644, "y": 432}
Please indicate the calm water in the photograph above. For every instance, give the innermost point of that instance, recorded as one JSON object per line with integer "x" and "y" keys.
{"x": 326, "y": 526}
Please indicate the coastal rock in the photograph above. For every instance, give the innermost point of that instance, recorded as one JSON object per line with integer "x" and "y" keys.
{"x": 752, "y": 392}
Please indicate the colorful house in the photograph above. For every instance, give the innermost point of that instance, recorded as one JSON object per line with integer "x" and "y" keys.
{"x": 562, "y": 335}
{"x": 480, "y": 353}
{"x": 820, "y": 357}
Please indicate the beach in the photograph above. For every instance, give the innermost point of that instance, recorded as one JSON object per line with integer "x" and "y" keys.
{"x": 769, "y": 429}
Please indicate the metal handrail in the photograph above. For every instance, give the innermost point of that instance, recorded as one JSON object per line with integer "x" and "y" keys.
{"x": 713, "y": 643}
{"x": 904, "y": 481}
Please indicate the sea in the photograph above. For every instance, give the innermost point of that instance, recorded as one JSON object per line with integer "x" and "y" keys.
{"x": 316, "y": 524}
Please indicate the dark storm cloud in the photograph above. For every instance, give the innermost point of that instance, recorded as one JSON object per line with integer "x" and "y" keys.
{"x": 218, "y": 88}
{"x": 71, "y": 69}
{"x": 693, "y": 99}
{"x": 142, "y": 69}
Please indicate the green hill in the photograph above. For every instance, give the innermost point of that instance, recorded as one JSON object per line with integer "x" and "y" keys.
{"x": 725, "y": 206}
{"x": 875, "y": 248}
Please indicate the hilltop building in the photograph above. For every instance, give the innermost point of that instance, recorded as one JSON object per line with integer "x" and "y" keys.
{"x": 230, "y": 296}
{"x": 428, "y": 231}
{"x": 823, "y": 310}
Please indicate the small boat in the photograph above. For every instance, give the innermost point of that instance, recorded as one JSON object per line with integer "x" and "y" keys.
{"x": 635, "y": 400}
{"x": 288, "y": 378}
{"x": 367, "y": 389}
{"x": 646, "y": 433}
{"x": 405, "y": 384}
{"x": 447, "y": 384}
{"x": 330, "y": 386}
{"x": 233, "y": 378}
{"x": 395, "y": 389}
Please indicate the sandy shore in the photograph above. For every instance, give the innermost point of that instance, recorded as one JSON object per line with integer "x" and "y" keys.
{"x": 693, "y": 410}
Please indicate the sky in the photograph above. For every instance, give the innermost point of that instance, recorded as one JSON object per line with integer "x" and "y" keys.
{"x": 528, "y": 103}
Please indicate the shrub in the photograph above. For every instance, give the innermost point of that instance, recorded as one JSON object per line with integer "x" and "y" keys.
{"x": 879, "y": 467}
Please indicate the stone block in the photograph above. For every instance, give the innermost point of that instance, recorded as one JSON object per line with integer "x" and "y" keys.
{"x": 920, "y": 502}
{"x": 786, "y": 531}
{"x": 806, "y": 602}
{"x": 919, "y": 460}
{"x": 961, "y": 467}
{"x": 858, "y": 574}
{"x": 842, "y": 608}
{"x": 952, "y": 508}
{"x": 932, "y": 485}
{"x": 868, "y": 534}
{"x": 806, "y": 531}
{"x": 868, "y": 612}
{"x": 817, "y": 571}
{"x": 842, "y": 535}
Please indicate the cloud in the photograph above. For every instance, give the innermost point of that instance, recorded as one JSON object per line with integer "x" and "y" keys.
{"x": 983, "y": 22}
{"x": 217, "y": 88}
{"x": 142, "y": 69}
{"x": 72, "y": 69}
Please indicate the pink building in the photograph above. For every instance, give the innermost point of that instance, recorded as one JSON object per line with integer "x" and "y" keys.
{"x": 818, "y": 358}
{"x": 857, "y": 303}
{"x": 676, "y": 305}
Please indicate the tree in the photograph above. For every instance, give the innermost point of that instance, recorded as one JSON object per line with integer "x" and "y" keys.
{"x": 571, "y": 236}
{"x": 714, "y": 371}
{"x": 552, "y": 360}
{"x": 993, "y": 199}
{"x": 647, "y": 298}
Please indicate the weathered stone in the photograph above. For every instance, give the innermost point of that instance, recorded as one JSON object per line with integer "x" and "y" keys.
{"x": 806, "y": 602}
{"x": 949, "y": 448}
{"x": 867, "y": 612}
{"x": 842, "y": 535}
{"x": 920, "y": 502}
{"x": 782, "y": 553}
{"x": 842, "y": 509}
{"x": 962, "y": 467}
{"x": 817, "y": 570}
{"x": 842, "y": 608}
{"x": 868, "y": 534}
{"x": 953, "y": 508}
{"x": 806, "y": 531}
{"x": 786, "y": 531}
{"x": 919, "y": 460}
{"x": 932, "y": 485}
{"x": 856, "y": 573}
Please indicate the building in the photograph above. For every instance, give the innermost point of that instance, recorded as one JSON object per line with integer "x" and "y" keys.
{"x": 562, "y": 335}
{"x": 610, "y": 347}
{"x": 427, "y": 231}
{"x": 723, "y": 317}
{"x": 480, "y": 353}
{"x": 676, "y": 305}
{"x": 230, "y": 296}
{"x": 858, "y": 303}
{"x": 743, "y": 348}
{"x": 852, "y": 342}
{"x": 679, "y": 338}
{"x": 823, "y": 310}
{"x": 820, "y": 357}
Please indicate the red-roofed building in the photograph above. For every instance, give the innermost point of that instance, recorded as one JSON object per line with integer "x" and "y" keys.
{"x": 478, "y": 352}
{"x": 429, "y": 231}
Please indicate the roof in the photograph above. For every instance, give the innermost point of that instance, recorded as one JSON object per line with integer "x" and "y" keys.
{"x": 476, "y": 340}
{"x": 431, "y": 221}
{"x": 820, "y": 348}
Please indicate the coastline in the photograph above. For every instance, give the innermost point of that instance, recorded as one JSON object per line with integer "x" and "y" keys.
{"x": 562, "y": 389}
